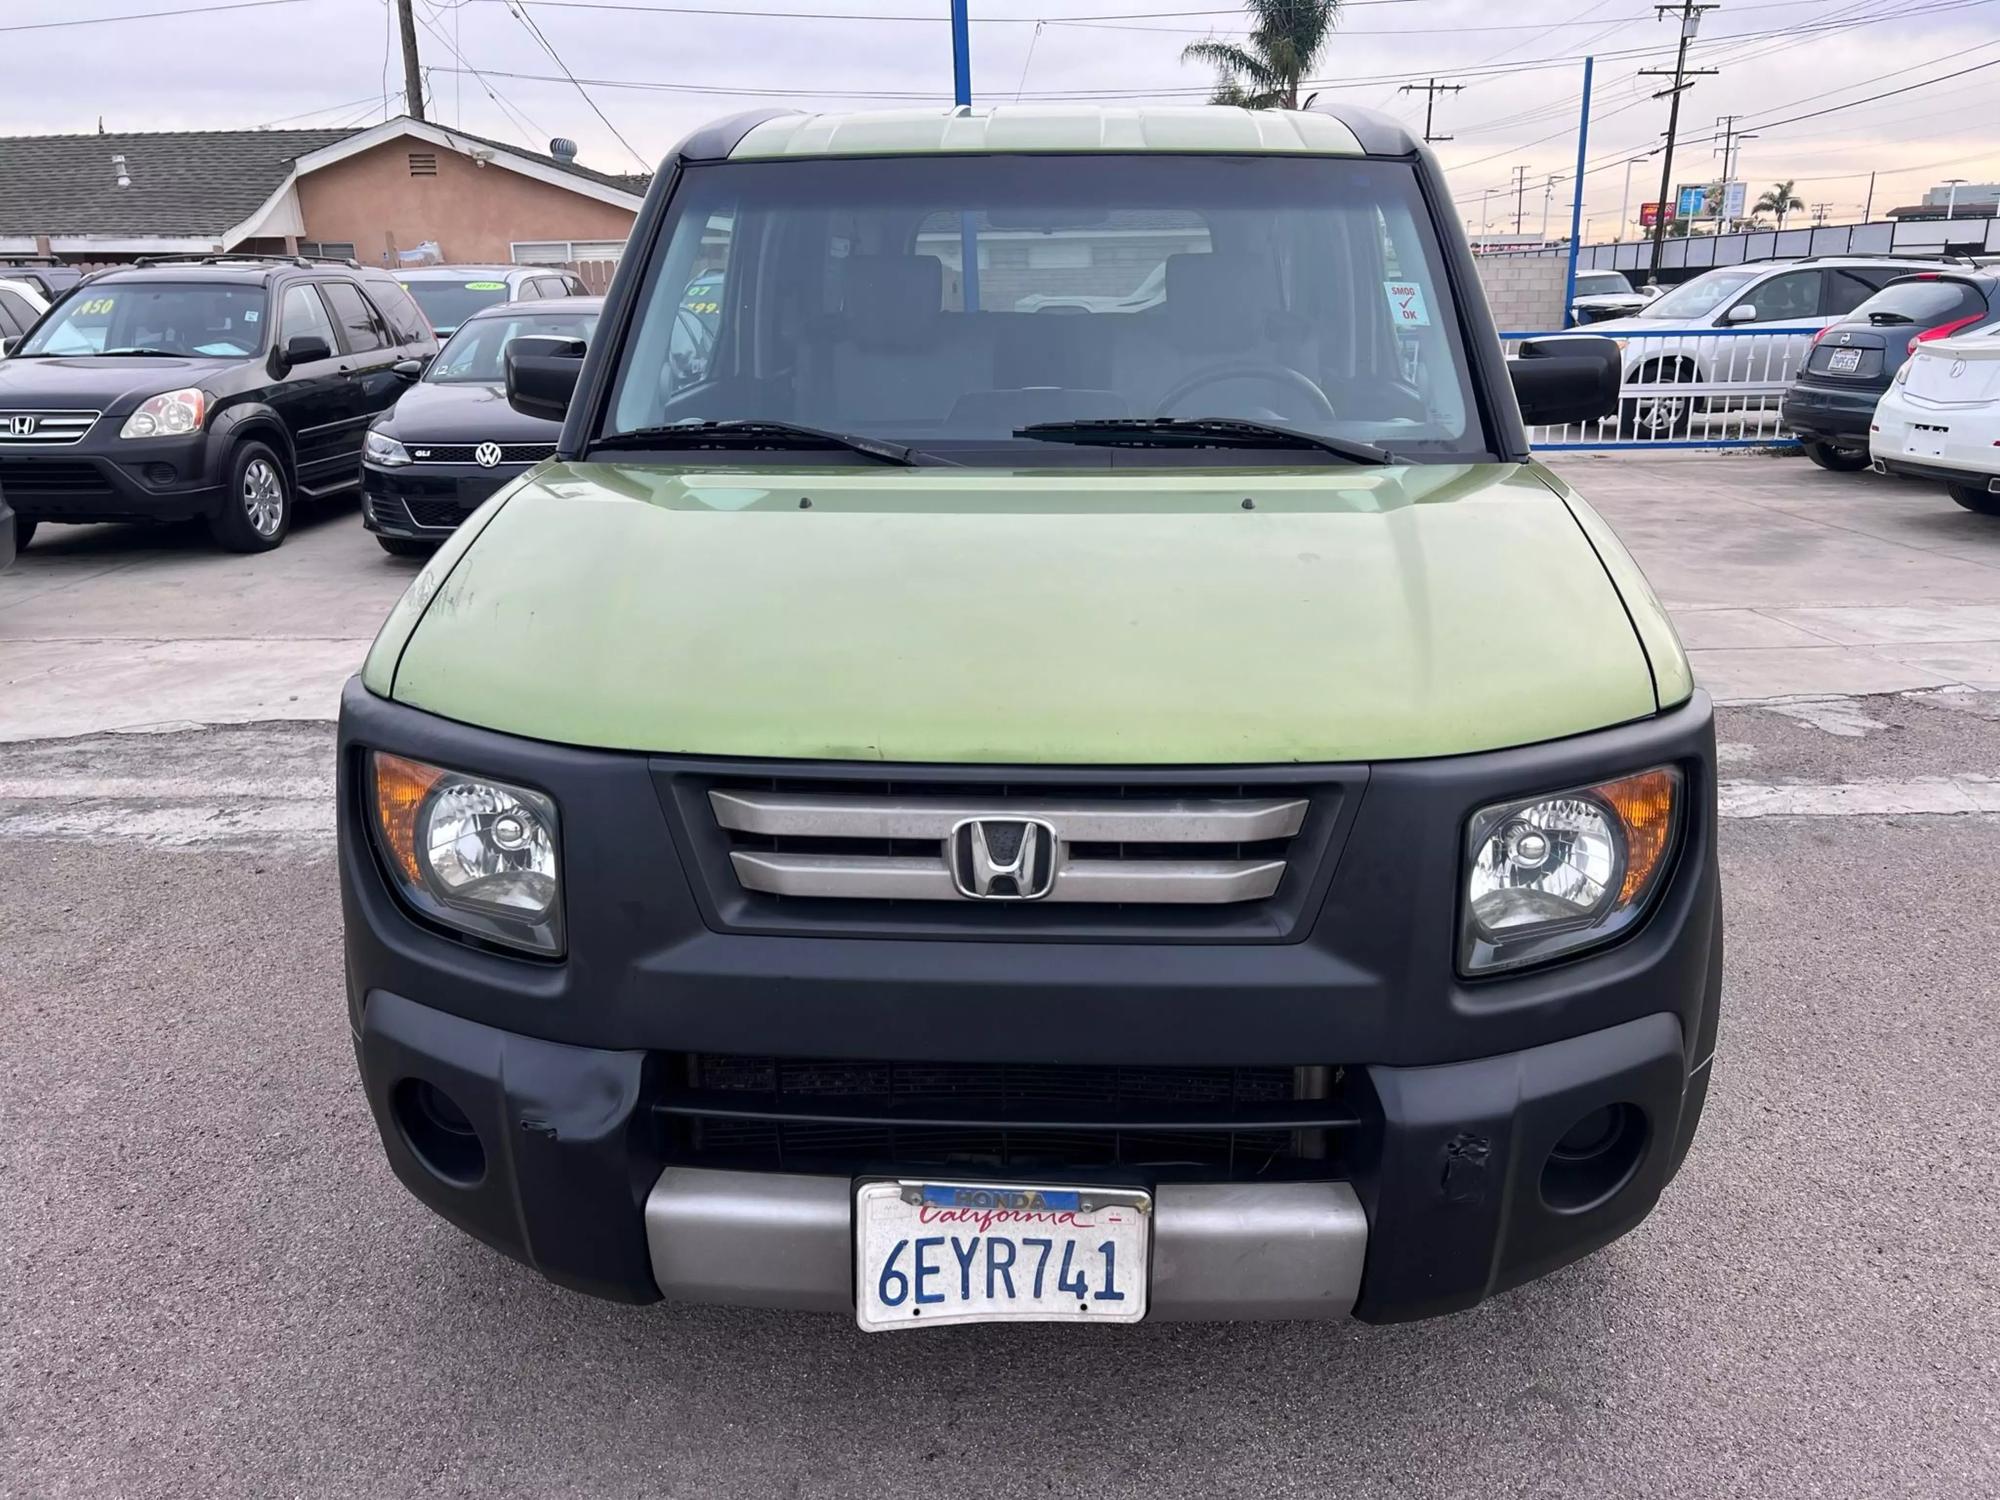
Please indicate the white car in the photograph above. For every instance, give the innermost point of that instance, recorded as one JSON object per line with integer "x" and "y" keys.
{"x": 1680, "y": 367}
{"x": 1940, "y": 419}
{"x": 1603, "y": 295}
{"x": 21, "y": 305}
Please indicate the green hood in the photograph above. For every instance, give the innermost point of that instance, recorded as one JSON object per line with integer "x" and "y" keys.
{"x": 1032, "y": 617}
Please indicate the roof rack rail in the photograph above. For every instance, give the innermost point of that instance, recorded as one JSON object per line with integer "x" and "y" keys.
{"x": 246, "y": 258}
{"x": 12, "y": 258}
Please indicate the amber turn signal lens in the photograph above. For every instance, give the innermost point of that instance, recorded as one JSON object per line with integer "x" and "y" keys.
{"x": 1645, "y": 805}
{"x": 400, "y": 788}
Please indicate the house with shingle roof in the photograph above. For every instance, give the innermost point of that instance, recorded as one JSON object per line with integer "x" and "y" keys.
{"x": 391, "y": 193}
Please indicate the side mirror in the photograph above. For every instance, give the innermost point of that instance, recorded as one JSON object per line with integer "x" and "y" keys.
{"x": 541, "y": 374}
{"x": 1566, "y": 380}
{"x": 408, "y": 369}
{"x": 1742, "y": 312}
{"x": 304, "y": 348}
{"x": 6, "y": 347}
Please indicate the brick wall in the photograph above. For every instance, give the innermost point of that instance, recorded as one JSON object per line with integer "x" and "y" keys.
{"x": 1524, "y": 291}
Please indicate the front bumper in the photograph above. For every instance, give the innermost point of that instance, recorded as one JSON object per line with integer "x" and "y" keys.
{"x": 1841, "y": 417}
{"x": 427, "y": 502}
{"x": 1435, "y": 1192}
{"x": 153, "y": 479}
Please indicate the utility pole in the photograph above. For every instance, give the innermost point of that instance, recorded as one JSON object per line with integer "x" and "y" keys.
{"x": 1520, "y": 194}
{"x": 1868, "y": 209}
{"x": 1690, "y": 17}
{"x": 1548, "y": 197}
{"x": 1951, "y": 198}
{"x": 1819, "y": 212}
{"x": 413, "y": 78}
{"x": 1430, "y": 91}
{"x": 1732, "y": 145}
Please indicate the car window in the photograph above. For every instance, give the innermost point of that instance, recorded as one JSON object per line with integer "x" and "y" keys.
{"x": 1601, "y": 283}
{"x": 1788, "y": 298}
{"x": 15, "y": 314}
{"x": 1847, "y": 288}
{"x": 216, "y": 320}
{"x": 574, "y": 286}
{"x": 475, "y": 352}
{"x": 1694, "y": 300}
{"x": 550, "y": 286}
{"x": 957, "y": 300}
{"x": 357, "y": 320}
{"x": 449, "y": 303}
{"x": 1925, "y": 302}
{"x": 302, "y": 314}
{"x": 405, "y": 319}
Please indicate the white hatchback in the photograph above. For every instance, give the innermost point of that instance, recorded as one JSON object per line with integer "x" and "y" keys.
{"x": 1941, "y": 419}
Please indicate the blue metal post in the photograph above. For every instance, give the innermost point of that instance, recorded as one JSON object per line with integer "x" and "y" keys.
{"x": 961, "y": 94}
{"x": 1576, "y": 204}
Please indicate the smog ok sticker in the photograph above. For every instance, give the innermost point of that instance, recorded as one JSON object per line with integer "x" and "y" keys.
{"x": 1406, "y": 304}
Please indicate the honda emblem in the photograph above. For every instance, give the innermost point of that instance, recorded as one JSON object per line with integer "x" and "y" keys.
{"x": 1002, "y": 859}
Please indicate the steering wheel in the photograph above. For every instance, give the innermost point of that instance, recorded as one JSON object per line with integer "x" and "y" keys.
{"x": 1280, "y": 375}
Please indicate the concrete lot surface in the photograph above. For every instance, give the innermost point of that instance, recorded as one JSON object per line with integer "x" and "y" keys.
{"x": 211, "y": 1285}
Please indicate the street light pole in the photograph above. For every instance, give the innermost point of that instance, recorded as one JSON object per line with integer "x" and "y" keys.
{"x": 1951, "y": 198}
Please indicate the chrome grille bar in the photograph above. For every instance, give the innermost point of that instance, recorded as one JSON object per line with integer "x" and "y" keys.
{"x": 1107, "y": 820}
{"x": 50, "y": 428}
{"x": 903, "y": 878}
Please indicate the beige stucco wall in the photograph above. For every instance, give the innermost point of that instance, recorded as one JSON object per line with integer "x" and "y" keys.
{"x": 474, "y": 213}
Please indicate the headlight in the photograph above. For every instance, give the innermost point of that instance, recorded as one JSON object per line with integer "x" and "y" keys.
{"x": 384, "y": 450}
{"x": 1549, "y": 875}
{"x": 474, "y": 854}
{"x": 167, "y": 415}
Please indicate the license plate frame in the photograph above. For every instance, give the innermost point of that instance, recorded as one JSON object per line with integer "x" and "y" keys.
{"x": 960, "y": 1268}
{"x": 1843, "y": 361}
{"x": 1923, "y": 441}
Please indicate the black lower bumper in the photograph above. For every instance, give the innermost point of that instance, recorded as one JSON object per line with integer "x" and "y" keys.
{"x": 1460, "y": 1176}
{"x": 157, "y": 480}
{"x": 427, "y": 502}
{"x": 1839, "y": 417}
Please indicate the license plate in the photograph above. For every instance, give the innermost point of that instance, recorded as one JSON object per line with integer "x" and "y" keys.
{"x": 1926, "y": 442}
{"x": 934, "y": 1253}
{"x": 1844, "y": 361}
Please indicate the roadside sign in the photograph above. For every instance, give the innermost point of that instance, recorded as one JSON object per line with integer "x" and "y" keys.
{"x": 1649, "y": 215}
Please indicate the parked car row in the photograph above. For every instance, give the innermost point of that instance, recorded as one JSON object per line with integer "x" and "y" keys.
{"x": 231, "y": 388}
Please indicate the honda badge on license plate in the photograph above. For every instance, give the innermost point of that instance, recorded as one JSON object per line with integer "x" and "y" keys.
{"x": 1844, "y": 361}
{"x": 931, "y": 1253}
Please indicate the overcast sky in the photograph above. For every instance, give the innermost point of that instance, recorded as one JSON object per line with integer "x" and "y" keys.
{"x": 333, "y": 62}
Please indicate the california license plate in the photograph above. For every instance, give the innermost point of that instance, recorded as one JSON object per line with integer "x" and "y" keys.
{"x": 933, "y": 1253}
{"x": 1844, "y": 361}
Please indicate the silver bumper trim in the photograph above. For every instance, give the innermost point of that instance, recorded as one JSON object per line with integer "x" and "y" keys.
{"x": 1220, "y": 1250}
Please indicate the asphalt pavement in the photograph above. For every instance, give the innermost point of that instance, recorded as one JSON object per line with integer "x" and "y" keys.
{"x": 211, "y": 1284}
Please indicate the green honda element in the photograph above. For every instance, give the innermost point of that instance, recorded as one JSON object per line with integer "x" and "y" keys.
{"x": 1070, "y": 767}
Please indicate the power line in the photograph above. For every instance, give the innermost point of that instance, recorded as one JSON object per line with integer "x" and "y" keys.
{"x": 520, "y": 13}
{"x": 150, "y": 15}
{"x": 1430, "y": 91}
{"x": 514, "y": 117}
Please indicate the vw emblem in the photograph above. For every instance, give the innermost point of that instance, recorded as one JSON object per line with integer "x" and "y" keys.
{"x": 1957, "y": 369}
{"x": 487, "y": 455}
{"x": 1002, "y": 859}
{"x": 21, "y": 426}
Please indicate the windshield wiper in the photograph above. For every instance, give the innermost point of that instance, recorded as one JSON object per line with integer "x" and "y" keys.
{"x": 1200, "y": 432}
{"x": 756, "y": 432}
{"x": 150, "y": 353}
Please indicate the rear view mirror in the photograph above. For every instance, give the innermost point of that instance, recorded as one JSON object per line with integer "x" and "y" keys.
{"x": 1566, "y": 380}
{"x": 305, "y": 348}
{"x": 541, "y": 374}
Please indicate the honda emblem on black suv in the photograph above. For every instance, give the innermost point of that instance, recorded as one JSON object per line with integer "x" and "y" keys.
{"x": 23, "y": 426}
{"x": 1002, "y": 859}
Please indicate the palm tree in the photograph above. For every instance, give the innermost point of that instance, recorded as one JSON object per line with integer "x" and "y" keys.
{"x": 1781, "y": 200}
{"x": 1264, "y": 72}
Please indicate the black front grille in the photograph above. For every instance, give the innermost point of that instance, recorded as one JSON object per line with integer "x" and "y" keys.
{"x": 54, "y": 484}
{"x": 782, "y": 1114}
{"x": 437, "y": 514}
{"x": 464, "y": 453}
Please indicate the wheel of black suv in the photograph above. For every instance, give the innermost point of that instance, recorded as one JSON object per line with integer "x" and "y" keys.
{"x": 1976, "y": 497}
{"x": 1840, "y": 460}
{"x": 24, "y": 533}
{"x": 257, "y": 510}
{"x": 402, "y": 546}
{"x": 1658, "y": 417}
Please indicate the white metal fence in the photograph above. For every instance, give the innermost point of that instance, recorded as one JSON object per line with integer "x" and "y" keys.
{"x": 1690, "y": 388}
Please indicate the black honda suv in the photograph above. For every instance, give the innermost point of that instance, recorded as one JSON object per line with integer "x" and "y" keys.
{"x": 1852, "y": 362}
{"x": 222, "y": 387}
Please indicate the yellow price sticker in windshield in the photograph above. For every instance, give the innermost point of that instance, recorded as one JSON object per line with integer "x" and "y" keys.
{"x": 93, "y": 307}
{"x": 486, "y": 286}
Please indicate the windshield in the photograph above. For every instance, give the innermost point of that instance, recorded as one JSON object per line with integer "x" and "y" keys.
{"x": 221, "y": 321}
{"x": 476, "y": 351}
{"x": 1601, "y": 283}
{"x": 449, "y": 303}
{"x": 839, "y": 294}
{"x": 1697, "y": 298}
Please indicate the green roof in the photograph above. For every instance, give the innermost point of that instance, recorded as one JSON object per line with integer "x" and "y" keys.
{"x": 1044, "y": 127}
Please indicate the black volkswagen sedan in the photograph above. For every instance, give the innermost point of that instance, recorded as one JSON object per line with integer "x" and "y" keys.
{"x": 1852, "y": 362}
{"x": 453, "y": 440}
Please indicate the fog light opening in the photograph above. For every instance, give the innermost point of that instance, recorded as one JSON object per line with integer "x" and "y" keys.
{"x": 438, "y": 1132}
{"x": 1594, "y": 1159}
